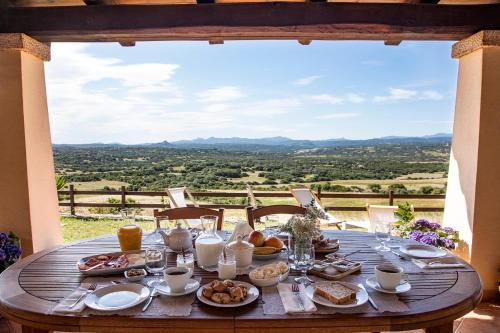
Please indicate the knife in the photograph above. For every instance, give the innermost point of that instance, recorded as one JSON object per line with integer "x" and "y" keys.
{"x": 153, "y": 294}
{"x": 370, "y": 300}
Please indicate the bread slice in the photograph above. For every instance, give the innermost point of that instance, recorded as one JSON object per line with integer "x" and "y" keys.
{"x": 335, "y": 292}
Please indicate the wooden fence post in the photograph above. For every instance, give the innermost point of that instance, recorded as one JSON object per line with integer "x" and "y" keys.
{"x": 391, "y": 197}
{"x": 318, "y": 193}
{"x": 123, "y": 201}
{"x": 72, "y": 199}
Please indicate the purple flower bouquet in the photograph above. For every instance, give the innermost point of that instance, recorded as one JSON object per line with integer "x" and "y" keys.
{"x": 10, "y": 250}
{"x": 432, "y": 233}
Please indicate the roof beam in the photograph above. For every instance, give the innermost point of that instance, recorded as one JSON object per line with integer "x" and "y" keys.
{"x": 313, "y": 21}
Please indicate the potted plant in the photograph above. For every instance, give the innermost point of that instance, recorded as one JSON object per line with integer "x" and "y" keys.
{"x": 10, "y": 250}
{"x": 424, "y": 231}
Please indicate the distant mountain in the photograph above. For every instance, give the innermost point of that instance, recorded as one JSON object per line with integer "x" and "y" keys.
{"x": 274, "y": 143}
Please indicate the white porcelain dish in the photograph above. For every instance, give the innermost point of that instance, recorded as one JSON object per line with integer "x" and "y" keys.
{"x": 422, "y": 251}
{"x": 117, "y": 297}
{"x": 270, "y": 281}
{"x": 402, "y": 288}
{"x": 191, "y": 286}
{"x": 361, "y": 295}
{"x": 136, "y": 278}
{"x": 253, "y": 294}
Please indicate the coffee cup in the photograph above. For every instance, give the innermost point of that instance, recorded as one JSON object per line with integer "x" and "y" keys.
{"x": 389, "y": 276}
{"x": 177, "y": 278}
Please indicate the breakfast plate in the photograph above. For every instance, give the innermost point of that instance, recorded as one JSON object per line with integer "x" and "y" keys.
{"x": 401, "y": 288}
{"x": 253, "y": 294}
{"x": 422, "y": 251}
{"x": 111, "y": 263}
{"x": 267, "y": 256}
{"x": 361, "y": 295}
{"x": 117, "y": 297}
{"x": 164, "y": 289}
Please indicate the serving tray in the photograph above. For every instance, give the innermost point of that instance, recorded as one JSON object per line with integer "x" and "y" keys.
{"x": 134, "y": 259}
{"x": 331, "y": 273}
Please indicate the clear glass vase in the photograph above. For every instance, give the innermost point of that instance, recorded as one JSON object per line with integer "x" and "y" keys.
{"x": 292, "y": 244}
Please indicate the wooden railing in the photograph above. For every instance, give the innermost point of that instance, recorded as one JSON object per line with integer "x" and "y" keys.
{"x": 123, "y": 193}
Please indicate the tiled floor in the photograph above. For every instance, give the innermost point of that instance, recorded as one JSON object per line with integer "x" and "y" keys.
{"x": 485, "y": 319}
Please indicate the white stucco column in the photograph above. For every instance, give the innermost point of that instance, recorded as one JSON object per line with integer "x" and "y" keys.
{"x": 472, "y": 200}
{"x": 28, "y": 198}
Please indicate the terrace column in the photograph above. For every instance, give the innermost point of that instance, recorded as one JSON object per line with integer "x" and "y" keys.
{"x": 472, "y": 200}
{"x": 28, "y": 198}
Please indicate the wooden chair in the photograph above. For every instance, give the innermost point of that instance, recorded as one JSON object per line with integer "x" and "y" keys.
{"x": 378, "y": 213}
{"x": 187, "y": 213}
{"x": 305, "y": 196}
{"x": 256, "y": 213}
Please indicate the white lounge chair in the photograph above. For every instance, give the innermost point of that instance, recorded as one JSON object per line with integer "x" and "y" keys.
{"x": 305, "y": 197}
{"x": 177, "y": 199}
{"x": 381, "y": 213}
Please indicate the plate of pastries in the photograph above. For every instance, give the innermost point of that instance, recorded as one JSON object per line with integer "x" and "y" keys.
{"x": 227, "y": 293}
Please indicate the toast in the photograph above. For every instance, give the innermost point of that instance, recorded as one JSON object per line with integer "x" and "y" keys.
{"x": 336, "y": 292}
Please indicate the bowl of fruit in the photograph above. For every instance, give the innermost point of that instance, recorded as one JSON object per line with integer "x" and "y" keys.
{"x": 265, "y": 248}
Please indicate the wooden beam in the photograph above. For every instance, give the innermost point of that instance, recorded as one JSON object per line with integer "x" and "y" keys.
{"x": 313, "y": 21}
{"x": 127, "y": 43}
{"x": 392, "y": 42}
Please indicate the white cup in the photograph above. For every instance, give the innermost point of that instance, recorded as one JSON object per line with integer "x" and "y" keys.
{"x": 389, "y": 276}
{"x": 177, "y": 278}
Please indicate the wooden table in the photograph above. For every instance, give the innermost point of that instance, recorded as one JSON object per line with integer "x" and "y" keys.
{"x": 29, "y": 289}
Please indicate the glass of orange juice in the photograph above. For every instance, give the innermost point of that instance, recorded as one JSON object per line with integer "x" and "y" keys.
{"x": 130, "y": 237}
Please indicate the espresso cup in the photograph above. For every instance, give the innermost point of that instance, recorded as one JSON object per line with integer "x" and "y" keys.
{"x": 177, "y": 278}
{"x": 389, "y": 276}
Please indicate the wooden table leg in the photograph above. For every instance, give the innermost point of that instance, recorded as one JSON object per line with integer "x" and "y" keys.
{"x": 27, "y": 329}
{"x": 445, "y": 328}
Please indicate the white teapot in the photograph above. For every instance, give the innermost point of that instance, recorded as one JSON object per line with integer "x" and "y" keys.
{"x": 178, "y": 239}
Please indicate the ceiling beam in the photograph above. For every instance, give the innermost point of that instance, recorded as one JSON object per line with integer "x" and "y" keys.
{"x": 313, "y": 21}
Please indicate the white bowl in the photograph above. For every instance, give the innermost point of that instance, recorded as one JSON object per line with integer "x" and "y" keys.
{"x": 135, "y": 278}
{"x": 269, "y": 281}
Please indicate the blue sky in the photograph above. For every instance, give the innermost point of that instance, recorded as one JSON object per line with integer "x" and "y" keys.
{"x": 180, "y": 90}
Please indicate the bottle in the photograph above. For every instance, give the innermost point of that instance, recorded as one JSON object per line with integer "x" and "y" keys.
{"x": 208, "y": 245}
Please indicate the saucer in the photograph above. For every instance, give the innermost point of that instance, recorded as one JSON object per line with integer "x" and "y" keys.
{"x": 164, "y": 289}
{"x": 372, "y": 283}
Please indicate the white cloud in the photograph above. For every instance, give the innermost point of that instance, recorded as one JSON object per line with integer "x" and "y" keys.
{"x": 432, "y": 95}
{"x": 270, "y": 107}
{"x": 338, "y": 115}
{"x": 327, "y": 98}
{"x": 355, "y": 98}
{"x": 305, "y": 81}
{"x": 398, "y": 94}
{"x": 221, "y": 94}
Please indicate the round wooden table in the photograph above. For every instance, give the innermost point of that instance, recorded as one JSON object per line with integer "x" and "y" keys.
{"x": 30, "y": 289}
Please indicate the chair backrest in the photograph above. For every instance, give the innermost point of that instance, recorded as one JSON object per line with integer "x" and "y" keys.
{"x": 255, "y": 213}
{"x": 177, "y": 197}
{"x": 381, "y": 213}
{"x": 305, "y": 196}
{"x": 186, "y": 213}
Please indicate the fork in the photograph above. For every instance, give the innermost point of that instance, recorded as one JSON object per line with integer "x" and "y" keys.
{"x": 296, "y": 291}
{"x": 91, "y": 288}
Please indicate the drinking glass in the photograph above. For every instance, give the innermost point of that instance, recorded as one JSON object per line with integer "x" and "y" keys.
{"x": 382, "y": 233}
{"x": 271, "y": 223}
{"x": 186, "y": 260}
{"x": 156, "y": 262}
{"x": 304, "y": 260}
{"x": 155, "y": 236}
{"x": 128, "y": 215}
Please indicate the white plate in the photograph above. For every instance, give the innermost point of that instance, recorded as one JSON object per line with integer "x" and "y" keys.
{"x": 361, "y": 295}
{"x": 422, "y": 251}
{"x": 402, "y": 288}
{"x": 253, "y": 294}
{"x": 117, "y": 297}
{"x": 191, "y": 286}
{"x": 266, "y": 256}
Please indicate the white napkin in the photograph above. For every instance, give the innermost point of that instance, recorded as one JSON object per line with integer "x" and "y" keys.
{"x": 64, "y": 306}
{"x": 290, "y": 300}
{"x": 242, "y": 228}
{"x": 436, "y": 263}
